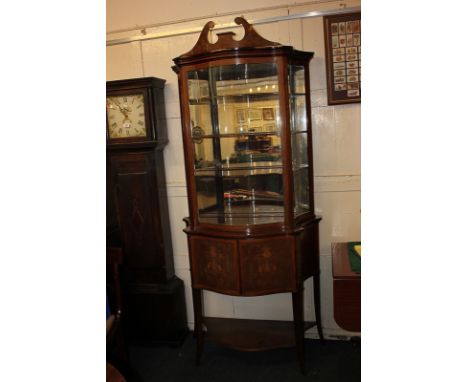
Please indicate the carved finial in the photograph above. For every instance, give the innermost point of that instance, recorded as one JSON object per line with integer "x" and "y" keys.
{"x": 204, "y": 33}
{"x": 251, "y": 35}
{"x": 225, "y": 41}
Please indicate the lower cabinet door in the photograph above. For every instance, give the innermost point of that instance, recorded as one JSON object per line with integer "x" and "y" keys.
{"x": 215, "y": 264}
{"x": 267, "y": 265}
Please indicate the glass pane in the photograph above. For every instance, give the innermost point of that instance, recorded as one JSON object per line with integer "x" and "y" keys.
{"x": 299, "y": 150}
{"x": 299, "y": 142}
{"x": 203, "y": 148}
{"x": 251, "y": 150}
{"x": 203, "y": 153}
{"x": 299, "y": 79}
{"x": 236, "y": 125}
{"x": 244, "y": 97}
{"x": 301, "y": 191}
{"x": 249, "y": 196}
{"x": 299, "y": 113}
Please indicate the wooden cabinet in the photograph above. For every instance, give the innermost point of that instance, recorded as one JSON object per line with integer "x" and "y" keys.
{"x": 346, "y": 290}
{"x": 142, "y": 211}
{"x": 154, "y": 299}
{"x": 216, "y": 265}
{"x": 267, "y": 265}
{"x": 252, "y": 231}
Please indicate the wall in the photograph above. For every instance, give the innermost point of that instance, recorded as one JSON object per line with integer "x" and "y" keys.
{"x": 336, "y": 132}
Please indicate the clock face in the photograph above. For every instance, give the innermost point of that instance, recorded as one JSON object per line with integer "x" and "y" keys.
{"x": 126, "y": 116}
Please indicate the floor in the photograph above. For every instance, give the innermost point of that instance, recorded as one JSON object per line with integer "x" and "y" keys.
{"x": 333, "y": 361}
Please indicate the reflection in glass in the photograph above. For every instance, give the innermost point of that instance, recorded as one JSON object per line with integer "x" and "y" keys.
{"x": 204, "y": 153}
{"x": 236, "y": 126}
{"x": 299, "y": 139}
{"x": 299, "y": 79}
{"x": 249, "y": 197}
{"x": 301, "y": 190}
{"x": 238, "y": 94}
{"x": 299, "y": 150}
{"x": 299, "y": 122}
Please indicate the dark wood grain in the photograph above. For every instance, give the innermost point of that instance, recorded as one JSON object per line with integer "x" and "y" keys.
{"x": 137, "y": 209}
{"x": 112, "y": 374}
{"x": 283, "y": 84}
{"x": 116, "y": 350}
{"x": 308, "y": 250}
{"x": 216, "y": 266}
{"x": 298, "y": 312}
{"x": 317, "y": 306}
{"x": 226, "y": 46}
{"x": 197, "y": 295}
{"x": 143, "y": 215}
{"x": 267, "y": 265}
{"x": 346, "y": 290}
{"x": 340, "y": 262}
{"x": 250, "y": 259}
{"x": 252, "y": 335}
{"x": 226, "y": 41}
{"x": 114, "y": 260}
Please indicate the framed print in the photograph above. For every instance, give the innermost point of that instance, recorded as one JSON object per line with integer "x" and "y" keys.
{"x": 269, "y": 127}
{"x": 268, "y": 114}
{"x": 254, "y": 114}
{"x": 204, "y": 91}
{"x": 240, "y": 116}
{"x": 343, "y": 57}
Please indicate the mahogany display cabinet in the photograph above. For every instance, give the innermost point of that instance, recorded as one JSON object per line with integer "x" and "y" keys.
{"x": 252, "y": 231}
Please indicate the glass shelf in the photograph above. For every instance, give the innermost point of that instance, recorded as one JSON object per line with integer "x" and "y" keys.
{"x": 239, "y": 172}
{"x": 247, "y": 133}
{"x": 236, "y": 134}
{"x": 299, "y": 139}
{"x": 239, "y": 98}
{"x": 244, "y": 214}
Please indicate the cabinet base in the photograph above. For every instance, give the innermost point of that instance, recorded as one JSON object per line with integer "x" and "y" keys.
{"x": 155, "y": 314}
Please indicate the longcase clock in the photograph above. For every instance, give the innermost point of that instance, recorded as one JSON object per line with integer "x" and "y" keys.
{"x": 138, "y": 218}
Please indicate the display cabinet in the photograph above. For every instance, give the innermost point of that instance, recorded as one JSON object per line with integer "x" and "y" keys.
{"x": 252, "y": 231}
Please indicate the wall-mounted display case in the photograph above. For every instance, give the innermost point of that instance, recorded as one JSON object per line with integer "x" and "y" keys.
{"x": 245, "y": 108}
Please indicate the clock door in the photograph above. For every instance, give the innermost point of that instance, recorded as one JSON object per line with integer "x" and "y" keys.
{"x": 136, "y": 199}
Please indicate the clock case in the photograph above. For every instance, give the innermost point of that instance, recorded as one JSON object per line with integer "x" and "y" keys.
{"x": 154, "y": 309}
{"x": 246, "y": 258}
{"x": 152, "y": 90}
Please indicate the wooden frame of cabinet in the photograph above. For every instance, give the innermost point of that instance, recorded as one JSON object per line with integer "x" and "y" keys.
{"x": 235, "y": 255}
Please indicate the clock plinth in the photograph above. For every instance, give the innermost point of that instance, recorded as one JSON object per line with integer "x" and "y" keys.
{"x": 156, "y": 313}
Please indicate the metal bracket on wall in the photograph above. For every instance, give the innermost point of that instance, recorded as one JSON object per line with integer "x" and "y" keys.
{"x": 306, "y": 15}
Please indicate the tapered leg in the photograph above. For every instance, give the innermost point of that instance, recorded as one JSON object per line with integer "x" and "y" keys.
{"x": 197, "y": 307}
{"x": 318, "y": 313}
{"x": 298, "y": 311}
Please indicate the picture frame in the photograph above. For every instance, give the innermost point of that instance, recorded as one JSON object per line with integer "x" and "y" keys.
{"x": 254, "y": 114}
{"x": 268, "y": 114}
{"x": 342, "y": 35}
{"x": 241, "y": 117}
{"x": 204, "y": 91}
{"x": 269, "y": 127}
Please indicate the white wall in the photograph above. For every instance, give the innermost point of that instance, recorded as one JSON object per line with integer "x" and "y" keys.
{"x": 336, "y": 133}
